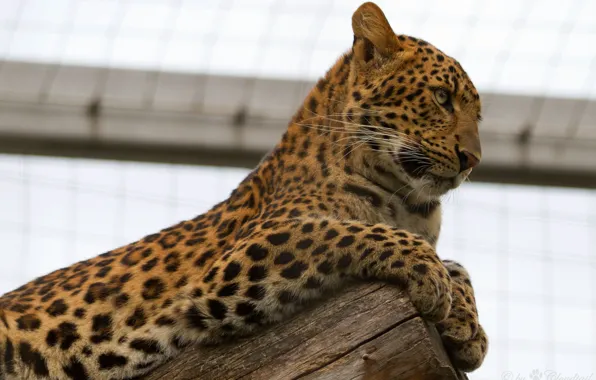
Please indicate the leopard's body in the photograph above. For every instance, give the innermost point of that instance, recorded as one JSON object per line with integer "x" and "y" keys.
{"x": 352, "y": 190}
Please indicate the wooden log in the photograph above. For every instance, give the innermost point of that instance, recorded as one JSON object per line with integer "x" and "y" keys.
{"x": 368, "y": 331}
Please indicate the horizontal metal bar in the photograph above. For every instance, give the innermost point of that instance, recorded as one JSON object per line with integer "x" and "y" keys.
{"x": 227, "y": 121}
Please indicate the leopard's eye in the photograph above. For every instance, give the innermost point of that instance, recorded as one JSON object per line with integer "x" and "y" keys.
{"x": 442, "y": 96}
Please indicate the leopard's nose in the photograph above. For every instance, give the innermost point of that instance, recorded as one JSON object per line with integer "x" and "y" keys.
{"x": 467, "y": 160}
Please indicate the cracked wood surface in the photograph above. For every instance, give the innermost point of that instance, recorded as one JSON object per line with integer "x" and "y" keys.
{"x": 365, "y": 332}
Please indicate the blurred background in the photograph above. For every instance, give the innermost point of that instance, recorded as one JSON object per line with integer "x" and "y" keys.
{"x": 119, "y": 118}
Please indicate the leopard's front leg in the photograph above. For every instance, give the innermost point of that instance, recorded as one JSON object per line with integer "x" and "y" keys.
{"x": 462, "y": 334}
{"x": 281, "y": 264}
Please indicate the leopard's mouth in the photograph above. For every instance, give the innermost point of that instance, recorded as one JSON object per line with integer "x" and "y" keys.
{"x": 414, "y": 162}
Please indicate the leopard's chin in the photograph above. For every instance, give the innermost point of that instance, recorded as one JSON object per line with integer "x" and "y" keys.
{"x": 433, "y": 186}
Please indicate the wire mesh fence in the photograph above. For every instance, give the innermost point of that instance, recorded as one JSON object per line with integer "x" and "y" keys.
{"x": 530, "y": 250}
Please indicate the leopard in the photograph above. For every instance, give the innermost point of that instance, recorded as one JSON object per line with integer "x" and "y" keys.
{"x": 351, "y": 192}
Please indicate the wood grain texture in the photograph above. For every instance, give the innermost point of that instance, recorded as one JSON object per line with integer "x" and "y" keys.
{"x": 366, "y": 332}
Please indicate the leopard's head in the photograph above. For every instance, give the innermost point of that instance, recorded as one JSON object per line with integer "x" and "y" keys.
{"x": 415, "y": 106}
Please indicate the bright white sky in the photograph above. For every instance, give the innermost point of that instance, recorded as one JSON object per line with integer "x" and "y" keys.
{"x": 512, "y": 46}
{"x": 536, "y": 291}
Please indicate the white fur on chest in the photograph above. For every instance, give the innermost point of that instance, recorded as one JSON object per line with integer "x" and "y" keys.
{"x": 394, "y": 213}
{"x": 427, "y": 226}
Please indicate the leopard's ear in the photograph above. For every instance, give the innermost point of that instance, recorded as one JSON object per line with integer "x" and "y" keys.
{"x": 373, "y": 35}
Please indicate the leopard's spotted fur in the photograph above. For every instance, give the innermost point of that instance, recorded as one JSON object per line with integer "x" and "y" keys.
{"x": 352, "y": 189}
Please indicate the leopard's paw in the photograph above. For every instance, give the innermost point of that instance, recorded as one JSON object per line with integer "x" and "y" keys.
{"x": 462, "y": 323}
{"x": 460, "y": 326}
{"x": 429, "y": 287}
{"x": 468, "y": 355}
